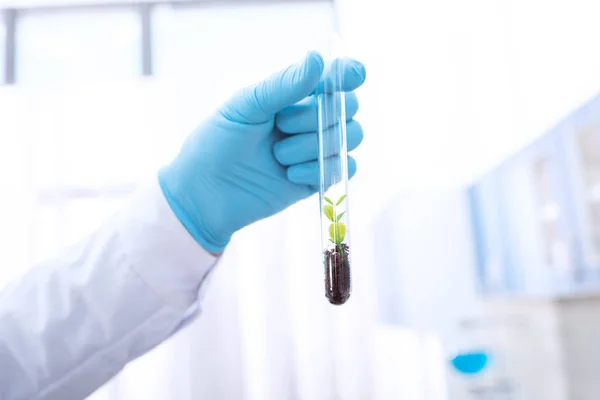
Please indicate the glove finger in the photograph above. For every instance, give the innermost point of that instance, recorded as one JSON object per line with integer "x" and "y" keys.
{"x": 259, "y": 103}
{"x": 308, "y": 173}
{"x": 341, "y": 74}
{"x": 302, "y": 116}
{"x": 304, "y": 147}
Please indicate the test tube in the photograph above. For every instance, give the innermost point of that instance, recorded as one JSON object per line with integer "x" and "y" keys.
{"x": 333, "y": 184}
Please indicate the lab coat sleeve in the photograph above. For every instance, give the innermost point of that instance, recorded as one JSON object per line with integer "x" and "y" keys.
{"x": 72, "y": 323}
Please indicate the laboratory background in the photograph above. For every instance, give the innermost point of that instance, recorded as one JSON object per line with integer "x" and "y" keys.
{"x": 475, "y": 211}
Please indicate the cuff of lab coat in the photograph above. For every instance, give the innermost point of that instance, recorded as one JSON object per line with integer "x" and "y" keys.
{"x": 161, "y": 251}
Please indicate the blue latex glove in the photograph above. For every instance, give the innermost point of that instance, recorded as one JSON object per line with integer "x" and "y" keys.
{"x": 257, "y": 154}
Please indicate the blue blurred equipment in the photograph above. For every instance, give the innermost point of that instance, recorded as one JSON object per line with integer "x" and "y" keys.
{"x": 470, "y": 363}
{"x": 257, "y": 154}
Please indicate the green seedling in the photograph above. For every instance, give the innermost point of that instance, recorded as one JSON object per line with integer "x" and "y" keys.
{"x": 337, "y": 229}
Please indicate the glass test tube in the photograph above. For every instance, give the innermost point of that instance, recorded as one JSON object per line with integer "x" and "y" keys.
{"x": 333, "y": 184}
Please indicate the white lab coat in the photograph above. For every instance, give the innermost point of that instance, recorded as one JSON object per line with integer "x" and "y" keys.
{"x": 72, "y": 323}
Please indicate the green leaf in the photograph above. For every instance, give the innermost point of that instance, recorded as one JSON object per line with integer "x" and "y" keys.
{"x": 337, "y": 231}
{"x": 329, "y": 213}
{"x": 332, "y": 233}
{"x": 341, "y": 232}
{"x": 327, "y": 199}
{"x": 340, "y": 216}
{"x": 340, "y": 200}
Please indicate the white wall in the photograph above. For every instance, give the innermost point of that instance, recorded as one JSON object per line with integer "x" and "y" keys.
{"x": 454, "y": 87}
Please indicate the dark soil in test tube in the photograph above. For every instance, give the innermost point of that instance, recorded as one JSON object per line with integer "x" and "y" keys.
{"x": 337, "y": 274}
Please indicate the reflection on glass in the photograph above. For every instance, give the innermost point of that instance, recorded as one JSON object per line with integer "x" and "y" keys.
{"x": 60, "y": 47}
{"x": 548, "y": 212}
{"x": 589, "y": 149}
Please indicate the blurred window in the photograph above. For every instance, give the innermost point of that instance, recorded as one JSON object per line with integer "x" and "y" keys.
{"x": 210, "y": 51}
{"x": 57, "y": 47}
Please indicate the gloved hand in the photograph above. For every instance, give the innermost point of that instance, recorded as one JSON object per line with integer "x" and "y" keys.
{"x": 257, "y": 154}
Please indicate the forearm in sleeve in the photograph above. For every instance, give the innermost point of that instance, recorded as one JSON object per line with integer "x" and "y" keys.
{"x": 72, "y": 323}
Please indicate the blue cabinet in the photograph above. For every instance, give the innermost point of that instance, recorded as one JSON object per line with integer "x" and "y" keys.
{"x": 536, "y": 217}
{"x": 581, "y": 144}
{"x": 524, "y": 222}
